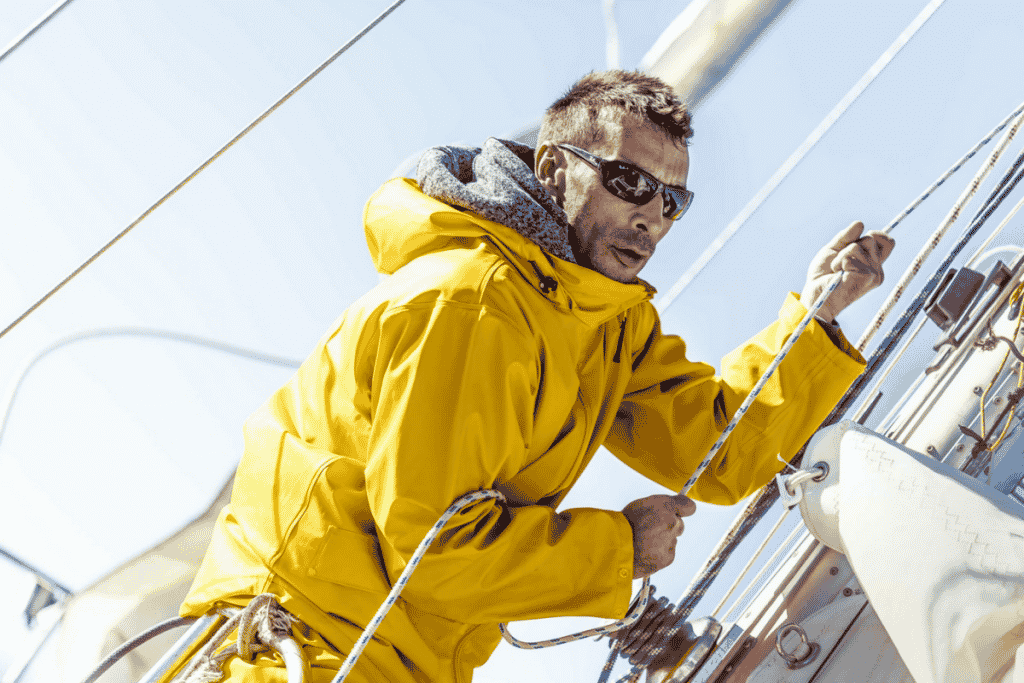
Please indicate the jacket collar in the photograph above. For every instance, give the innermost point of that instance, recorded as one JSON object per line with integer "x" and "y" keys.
{"x": 402, "y": 223}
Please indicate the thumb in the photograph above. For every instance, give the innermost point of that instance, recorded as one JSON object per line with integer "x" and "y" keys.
{"x": 846, "y": 236}
{"x": 684, "y": 505}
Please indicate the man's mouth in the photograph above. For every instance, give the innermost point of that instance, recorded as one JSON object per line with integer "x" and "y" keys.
{"x": 629, "y": 257}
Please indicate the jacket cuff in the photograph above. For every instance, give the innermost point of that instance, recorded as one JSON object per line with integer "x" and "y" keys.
{"x": 792, "y": 312}
{"x": 622, "y": 567}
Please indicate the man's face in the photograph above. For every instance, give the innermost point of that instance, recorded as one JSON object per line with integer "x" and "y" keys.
{"x": 611, "y": 235}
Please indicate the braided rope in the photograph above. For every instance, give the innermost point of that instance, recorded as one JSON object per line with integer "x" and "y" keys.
{"x": 263, "y": 626}
{"x": 939, "y": 233}
{"x": 461, "y": 503}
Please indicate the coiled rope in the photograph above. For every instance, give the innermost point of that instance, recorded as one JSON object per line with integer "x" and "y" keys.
{"x": 669, "y": 627}
{"x": 463, "y": 502}
{"x": 202, "y": 167}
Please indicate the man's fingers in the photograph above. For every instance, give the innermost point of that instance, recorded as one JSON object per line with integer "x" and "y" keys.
{"x": 878, "y": 244}
{"x": 847, "y": 236}
{"x": 684, "y": 505}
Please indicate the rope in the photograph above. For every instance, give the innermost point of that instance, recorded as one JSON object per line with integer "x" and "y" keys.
{"x": 796, "y": 157}
{"x": 463, "y": 502}
{"x": 18, "y": 41}
{"x": 245, "y": 131}
{"x": 127, "y": 647}
{"x": 700, "y": 584}
{"x": 263, "y": 626}
{"x": 937, "y": 236}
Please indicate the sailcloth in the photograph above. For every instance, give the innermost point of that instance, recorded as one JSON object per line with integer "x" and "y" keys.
{"x": 939, "y": 555}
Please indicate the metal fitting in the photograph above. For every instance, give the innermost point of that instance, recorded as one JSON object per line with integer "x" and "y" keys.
{"x": 792, "y": 660}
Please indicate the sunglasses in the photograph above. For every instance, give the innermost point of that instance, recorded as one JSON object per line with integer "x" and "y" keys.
{"x": 635, "y": 185}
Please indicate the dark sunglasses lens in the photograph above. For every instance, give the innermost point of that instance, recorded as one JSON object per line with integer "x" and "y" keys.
{"x": 625, "y": 182}
{"x": 676, "y": 202}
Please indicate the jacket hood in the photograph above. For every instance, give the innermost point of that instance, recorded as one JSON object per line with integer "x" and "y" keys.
{"x": 497, "y": 181}
{"x": 402, "y": 223}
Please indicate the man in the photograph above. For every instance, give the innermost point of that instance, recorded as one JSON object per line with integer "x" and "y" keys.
{"x": 512, "y": 339}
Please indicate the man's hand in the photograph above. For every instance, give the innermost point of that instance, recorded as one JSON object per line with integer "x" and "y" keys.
{"x": 657, "y": 522}
{"x": 860, "y": 258}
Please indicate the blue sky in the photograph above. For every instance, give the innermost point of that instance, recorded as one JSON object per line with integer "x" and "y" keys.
{"x": 113, "y": 103}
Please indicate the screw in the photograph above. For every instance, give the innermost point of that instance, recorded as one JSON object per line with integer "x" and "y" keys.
{"x": 931, "y": 450}
{"x": 960, "y": 448}
{"x": 847, "y": 592}
{"x": 998, "y": 400}
{"x": 833, "y": 571}
{"x": 978, "y": 391}
{"x": 727, "y": 669}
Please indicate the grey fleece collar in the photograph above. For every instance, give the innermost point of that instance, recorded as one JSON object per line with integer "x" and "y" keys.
{"x": 498, "y": 183}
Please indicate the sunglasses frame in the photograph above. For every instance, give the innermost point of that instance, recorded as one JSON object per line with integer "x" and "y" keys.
{"x": 683, "y": 201}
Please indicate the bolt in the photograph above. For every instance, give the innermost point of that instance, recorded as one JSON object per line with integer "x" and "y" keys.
{"x": 978, "y": 391}
{"x": 727, "y": 669}
{"x": 847, "y": 592}
{"x": 998, "y": 400}
{"x": 833, "y": 571}
{"x": 931, "y": 450}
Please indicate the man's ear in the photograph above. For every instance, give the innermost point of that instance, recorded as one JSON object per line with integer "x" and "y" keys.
{"x": 550, "y": 169}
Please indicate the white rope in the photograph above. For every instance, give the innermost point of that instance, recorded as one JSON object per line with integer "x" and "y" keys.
{"x": 263, "y": 625}
{"x": 937, "y": 236}
{"x": 20, "y": 39}
{"x": 795, "y": 158}
{"x": 202, "y": 167}
{"x": 421, "y": 549}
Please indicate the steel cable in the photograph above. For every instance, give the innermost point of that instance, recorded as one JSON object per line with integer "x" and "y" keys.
{"x": 38, "y": 24}
{"x": 796, "y": 157}
{"x": 202, "y": 167}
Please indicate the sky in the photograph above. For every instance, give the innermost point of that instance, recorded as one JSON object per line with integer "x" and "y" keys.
{"x": 115, "y": 441}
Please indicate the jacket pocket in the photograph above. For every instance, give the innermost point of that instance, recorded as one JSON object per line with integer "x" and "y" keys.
{"x": 350, "y": 559}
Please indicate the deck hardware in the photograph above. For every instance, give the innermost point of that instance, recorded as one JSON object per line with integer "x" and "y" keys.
{"x": 793, "y": 661}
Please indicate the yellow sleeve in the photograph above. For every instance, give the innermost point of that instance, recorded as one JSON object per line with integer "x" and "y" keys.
{"x": 674, "y": 409}
{"x": 452, "y": 412}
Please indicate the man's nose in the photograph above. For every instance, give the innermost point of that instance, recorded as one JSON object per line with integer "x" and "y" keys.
{"x": 651, "y": 218}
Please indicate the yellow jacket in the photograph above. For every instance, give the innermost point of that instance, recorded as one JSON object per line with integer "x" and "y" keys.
{"x": 481, "y": 363}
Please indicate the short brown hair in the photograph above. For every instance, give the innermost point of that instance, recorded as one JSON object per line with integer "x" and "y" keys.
{"x": 581, "y": 116}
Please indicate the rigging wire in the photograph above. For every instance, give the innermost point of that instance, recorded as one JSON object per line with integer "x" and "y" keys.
{"x": 181, "y": 337}
{"x": 168, "y": 335}
{"x": 940, "y": 232}
{"x": 202, "y": 167}
{"x": 19, "y": 40}
{"x": 795, "y": 158}
{"x": 759, "y": 507}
